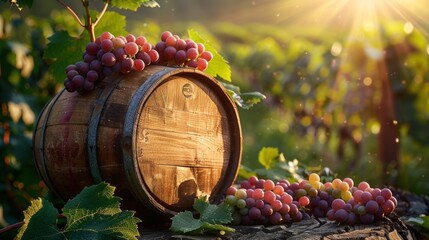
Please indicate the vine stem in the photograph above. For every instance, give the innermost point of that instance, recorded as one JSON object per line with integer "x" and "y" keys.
{"x": 89, "y": 25}
{"x": 102, "y": 12}
{"x": 12, "y": 226}
{"x": 72, "y": 12}
{"x": 20, "y": 224}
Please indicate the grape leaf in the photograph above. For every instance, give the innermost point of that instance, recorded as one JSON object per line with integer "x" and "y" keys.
{"x": 112, "y": 22}
{"x": 121, "y": 225}
{"x": 267, "y": 155}
{"x": 212, "y": 213}
{"x": 40, "y": 220}
{"x": 211, "y": 219}
{"x": 218, "y": 66}
{"x": 422, "y": 220}
{"x": 274, "y": 174}
{"x": 133, "y": 4}
{"x": 151, "y": 3}
{"x": 245, "y": 172}
{"x": 251, "y": 98}
{"x": 97, "y": 199}
{"x": 425, "y": 222}
{"x": 185, "y": 222}
{"x": 64, "y": 50}
{"x": 247, "y": 100}
{"x": 95, "y": 212}
{"x": 243, "y": 100}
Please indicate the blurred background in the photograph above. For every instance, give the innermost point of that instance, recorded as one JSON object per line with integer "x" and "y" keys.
{"x": 347, "y": 83}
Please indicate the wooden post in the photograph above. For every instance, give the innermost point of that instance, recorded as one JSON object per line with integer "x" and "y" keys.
{"x": 388, "y": 137}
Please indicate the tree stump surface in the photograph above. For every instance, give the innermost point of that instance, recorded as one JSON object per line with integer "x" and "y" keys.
{"x": 394, "y": 227}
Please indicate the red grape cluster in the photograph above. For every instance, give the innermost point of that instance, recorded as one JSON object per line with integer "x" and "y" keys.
{"x": 175, "y": 51}
{"x": 260, "y": 201}
{"x": 107, "y": 55}
{"x": 110, "y": 54}
{"x": 365, "y": 206}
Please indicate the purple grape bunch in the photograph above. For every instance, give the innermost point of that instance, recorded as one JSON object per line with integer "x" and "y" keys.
{"x": 261, "y": 201}
{"x": 108, "y": 55}
{"x": 366, "y": 205}
{"x": 179, "y": 52}
{"x": 121, "y": 55}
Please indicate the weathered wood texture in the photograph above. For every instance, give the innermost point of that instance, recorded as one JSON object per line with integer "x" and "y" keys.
{"x": 393, "y": 228}
{"x": 309, "y": 229}
{"x": 321, "y": 229}
{"x": 162, "y": 136}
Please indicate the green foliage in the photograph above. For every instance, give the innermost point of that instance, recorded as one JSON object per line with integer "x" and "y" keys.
{"x": 249, "y": 99}
{"x": 133, "y": 4}
{"x": 244, "y": 100}
{"x": 93, "y": 214}
{"x": 112, "y": 22}
{"x": 267, "y": 156}
{"x": 318, "y": 108}
{"x": 98, "y": 198}
{"x": 218, "y": 65}
{"x": 20, "y": 3}
{"x": 151, "y": 4}
{"x": 24, "y": 89}
{"x": 421, "y": 221}
{"x": 63, "y": 49}
{"x": 40, "y": 220}
{"x": 273, "y": 165}
{"x": 211, "y": 219}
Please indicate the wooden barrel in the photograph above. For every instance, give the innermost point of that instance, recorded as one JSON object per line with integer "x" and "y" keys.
{"x": 163, "y": 136}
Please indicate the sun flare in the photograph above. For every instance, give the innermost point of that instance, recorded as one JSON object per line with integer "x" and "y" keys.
{"x": 339, "y": 15}
{"x": 367, "y": 21}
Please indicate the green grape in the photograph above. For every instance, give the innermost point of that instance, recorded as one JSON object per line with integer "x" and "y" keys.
{"x": 241, "y": 203}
